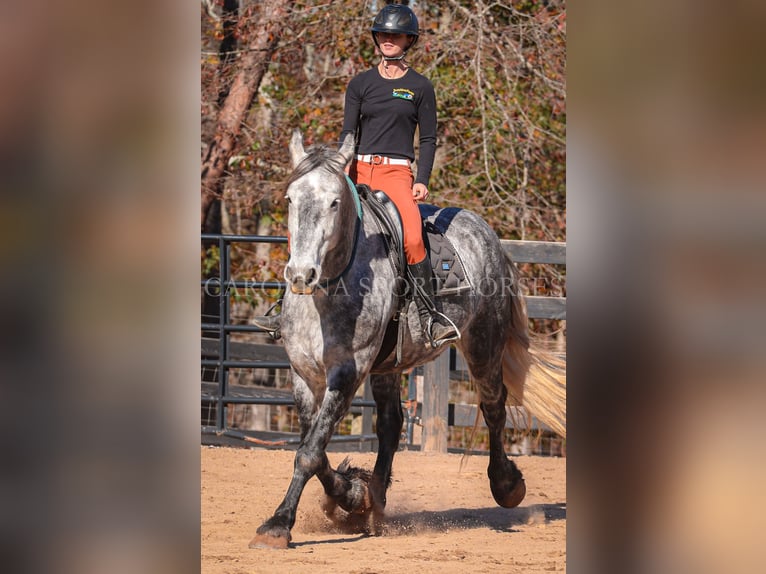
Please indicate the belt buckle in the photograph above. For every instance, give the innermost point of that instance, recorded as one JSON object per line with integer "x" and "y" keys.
{"x": 376, "y": 159}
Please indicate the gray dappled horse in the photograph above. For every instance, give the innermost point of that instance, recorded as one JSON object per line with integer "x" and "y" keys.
{"x": 334, "y": 317}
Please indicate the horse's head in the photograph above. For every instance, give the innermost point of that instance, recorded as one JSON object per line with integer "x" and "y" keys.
{"x": 321, "y": 212}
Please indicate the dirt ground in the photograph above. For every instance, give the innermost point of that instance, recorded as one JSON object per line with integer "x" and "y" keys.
{"x": 440, "y": 518}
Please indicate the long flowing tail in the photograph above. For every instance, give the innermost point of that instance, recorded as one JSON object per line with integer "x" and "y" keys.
{"x": 534, "y": 377}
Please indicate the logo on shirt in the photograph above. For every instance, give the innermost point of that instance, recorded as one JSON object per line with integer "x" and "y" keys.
{"x": 403, "y": 93}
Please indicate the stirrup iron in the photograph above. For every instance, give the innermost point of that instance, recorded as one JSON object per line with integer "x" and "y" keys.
{"x": 274, "y": 332}
{"x": 429, "y": 330}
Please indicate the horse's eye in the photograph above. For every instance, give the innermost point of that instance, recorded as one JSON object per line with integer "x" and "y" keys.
{"x": 287, "y": 197}
{"x": 334, "y": 204}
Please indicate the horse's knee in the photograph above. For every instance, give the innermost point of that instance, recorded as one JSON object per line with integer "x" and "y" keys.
{"x": 308, "y": 462}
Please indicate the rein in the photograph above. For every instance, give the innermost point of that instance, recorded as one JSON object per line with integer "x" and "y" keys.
{"x": 358, "y": 204}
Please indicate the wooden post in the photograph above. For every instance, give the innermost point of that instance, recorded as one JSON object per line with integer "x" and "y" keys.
{"x": 435, "y": 404}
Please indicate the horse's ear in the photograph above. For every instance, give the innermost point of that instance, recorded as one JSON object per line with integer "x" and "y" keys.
{"x": 297, "y": 153}
{"x": 346, "y": 150}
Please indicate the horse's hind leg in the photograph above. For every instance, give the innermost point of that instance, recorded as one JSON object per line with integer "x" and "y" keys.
{"x": 387, "y": 394}
{"x": 505, "y": 479}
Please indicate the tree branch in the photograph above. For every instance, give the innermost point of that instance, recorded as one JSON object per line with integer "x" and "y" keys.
{"x": 250, "y": 70}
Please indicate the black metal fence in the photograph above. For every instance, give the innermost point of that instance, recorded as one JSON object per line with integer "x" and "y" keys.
{"x": 220, "y": 355}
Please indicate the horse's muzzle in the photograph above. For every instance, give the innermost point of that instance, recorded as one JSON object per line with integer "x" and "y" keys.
{"x": 301, "y": 282}
{"x": 301, "y": 288}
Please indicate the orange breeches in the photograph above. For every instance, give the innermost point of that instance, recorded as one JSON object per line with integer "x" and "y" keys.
{"x": 396, "y": 181}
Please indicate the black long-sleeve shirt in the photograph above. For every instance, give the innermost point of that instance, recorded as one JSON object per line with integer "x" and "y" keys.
{"x": 386, "y": 113}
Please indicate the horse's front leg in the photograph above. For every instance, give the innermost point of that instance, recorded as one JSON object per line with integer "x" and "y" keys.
{"x": 310, "y": 459}
{"x": 356, "y": 490}
{"x": 347, "y": 487}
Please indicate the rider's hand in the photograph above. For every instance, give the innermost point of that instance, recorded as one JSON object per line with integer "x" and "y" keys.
{"x": 419, "y": 192}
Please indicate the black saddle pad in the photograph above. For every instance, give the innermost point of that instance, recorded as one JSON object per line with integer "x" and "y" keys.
{"x": 446, "y": 264}
{"x": 445, "y": 261}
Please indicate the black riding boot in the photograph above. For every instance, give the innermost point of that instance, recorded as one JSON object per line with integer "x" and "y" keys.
{"x": 438, "y": 329}
{"x": 270, "y": 323}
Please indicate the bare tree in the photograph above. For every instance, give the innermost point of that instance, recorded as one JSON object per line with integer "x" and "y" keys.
{"x": 499, "y": 69}
{"x": 250, "y": 68}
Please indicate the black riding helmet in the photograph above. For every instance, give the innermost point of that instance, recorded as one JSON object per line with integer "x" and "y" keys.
{"x": 396, "y": 19}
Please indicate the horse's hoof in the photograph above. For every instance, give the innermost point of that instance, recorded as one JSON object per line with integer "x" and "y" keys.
{"x": 357, "y": 499}
{"x": 377, "y": 522}
{"x": 271, "y": 536}
{"x": 328, "y": 507}
{"x": 506, "y": 482}
{"x": 514, "y": 497}
{"x": 270, "y": 541}
{"x": 360, "y": 498}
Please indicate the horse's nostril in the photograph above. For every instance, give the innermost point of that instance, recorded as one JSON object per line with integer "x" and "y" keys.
{"x": 301, "y": 279}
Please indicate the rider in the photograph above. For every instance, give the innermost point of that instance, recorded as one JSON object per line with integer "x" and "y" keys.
{"x": 383, "y": 108}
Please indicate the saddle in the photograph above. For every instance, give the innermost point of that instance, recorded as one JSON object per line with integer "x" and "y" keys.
{"x": 445, "y": 262}
{"x": 387, "y": 216}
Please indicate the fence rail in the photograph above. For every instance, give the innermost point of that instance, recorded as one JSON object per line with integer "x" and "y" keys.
{"x": 220, "y": 354}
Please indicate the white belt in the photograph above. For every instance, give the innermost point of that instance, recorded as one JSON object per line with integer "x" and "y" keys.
{"x": 381, "y": 159}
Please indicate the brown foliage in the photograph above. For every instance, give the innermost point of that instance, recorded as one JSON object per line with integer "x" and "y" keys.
{"x": 499, "y": 73}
